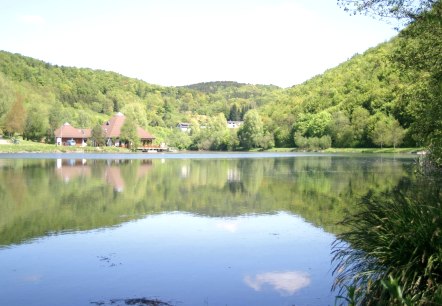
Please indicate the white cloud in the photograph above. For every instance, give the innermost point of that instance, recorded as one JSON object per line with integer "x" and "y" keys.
{"x": 286, "y": 283}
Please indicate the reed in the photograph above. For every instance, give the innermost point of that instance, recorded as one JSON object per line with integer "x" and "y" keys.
{"x": 392, "y": 252}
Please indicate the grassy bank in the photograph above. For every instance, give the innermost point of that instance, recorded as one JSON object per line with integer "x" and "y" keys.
{"x": 353, "y": 150}
{"x": 29, "y": 146}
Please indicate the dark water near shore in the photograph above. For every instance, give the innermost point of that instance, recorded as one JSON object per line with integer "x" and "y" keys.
{"x": 194, "y": 229}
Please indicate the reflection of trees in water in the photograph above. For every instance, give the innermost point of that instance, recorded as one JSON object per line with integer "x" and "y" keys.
{"x": 235, "y": 186}
{"x": 320, "y": 189}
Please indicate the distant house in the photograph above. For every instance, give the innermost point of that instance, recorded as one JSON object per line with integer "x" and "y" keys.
{"x": 112, "y": 132}
{"x": 234, "y": 124}
{"x": 183, "y": 126}
{"x": 69, "y": 135}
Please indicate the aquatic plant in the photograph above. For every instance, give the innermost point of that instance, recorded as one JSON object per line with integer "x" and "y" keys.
{"x": 392, "y": 252}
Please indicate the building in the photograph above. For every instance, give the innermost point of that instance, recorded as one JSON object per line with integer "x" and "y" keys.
{"x": 112, "y": 132}
{"x": 234, "y": 124}
{"x": 69, "y": 135}
{"x": 183, "y": 126}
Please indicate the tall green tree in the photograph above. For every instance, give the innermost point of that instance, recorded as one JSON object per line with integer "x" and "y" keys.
{"x": 97, "y": 136}
{"x": 359, "y": 125}
{"x": 397, "y": 133}
{"x": 36, "y": 124}
{"x": 15, "y": 119}
{"x": 341, "y": 130}
{"x": 129, "y": 133}
{"x": 251, "y": 132}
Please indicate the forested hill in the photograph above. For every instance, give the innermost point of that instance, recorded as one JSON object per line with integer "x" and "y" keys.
{"x": 373, "y": 99}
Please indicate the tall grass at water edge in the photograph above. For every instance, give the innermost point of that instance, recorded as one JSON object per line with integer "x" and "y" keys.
{"x": 392, "y": 252}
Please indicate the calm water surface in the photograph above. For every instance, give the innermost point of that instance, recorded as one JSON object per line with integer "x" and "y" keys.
{"x": 196, "y": 229}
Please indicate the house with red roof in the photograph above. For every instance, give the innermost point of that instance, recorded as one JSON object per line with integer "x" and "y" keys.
{"x": 112, "y": 132}
{"x": 69, "y": 135}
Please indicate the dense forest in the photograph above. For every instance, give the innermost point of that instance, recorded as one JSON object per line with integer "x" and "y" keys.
{"x": 387, "y": 96}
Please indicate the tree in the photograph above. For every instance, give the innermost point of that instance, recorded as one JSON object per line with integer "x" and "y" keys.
{"x": 214, "y": 136}
{"x": 83, "y": 119}
{"x": 98, "y": 137}
{"x": 387, "y": 132}
{"x": 418, "y": 52}
{"x": 417, "y": 55}
{"x": 252, "y": 130}
{"x": 129, "y": 133}
{"x": 313, "y": 125}
{"x": 406, "y": 10}
{"x": 359, "y": 125}
{"x": 36, "y": 123}
{"x": 397, "y": 133}
{"x": 341, "y": 130}
{"x": 379, "y": 135}
{"x": 137, "y": 112}
{"x": 16, "y": 117}
{"x": 235, "y": 113}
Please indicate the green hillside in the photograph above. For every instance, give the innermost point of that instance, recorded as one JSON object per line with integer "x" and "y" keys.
{"x": 384, "y": 97}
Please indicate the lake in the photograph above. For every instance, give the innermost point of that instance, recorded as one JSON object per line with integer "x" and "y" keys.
{"x": 179, "y": 229}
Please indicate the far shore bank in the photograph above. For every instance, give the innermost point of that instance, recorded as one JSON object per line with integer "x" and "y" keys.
{"x": 34, "y": 147}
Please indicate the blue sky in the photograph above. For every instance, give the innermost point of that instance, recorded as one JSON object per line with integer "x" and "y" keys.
{"x": 171, "y": 42}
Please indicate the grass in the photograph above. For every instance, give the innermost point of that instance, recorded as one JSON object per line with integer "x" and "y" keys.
{"x": 31, "y": 146}
{"x": 354, "y": 150}
{"x": 392, "y": 252}
{"x": 373, "y": 150}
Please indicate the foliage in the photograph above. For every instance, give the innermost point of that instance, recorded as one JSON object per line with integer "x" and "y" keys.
{"x": 392, "y": 251}
{"x": 418, "y": 55}
{"x": 129, "y": 134}
{"x": 312, "y": 143}
{"x": 15, "y": 119}
{"x": 341, "y": 130}
{"x": 399, "y": 9}
{"x": 398, "y": 79}
{"x": 388, "y": 133}
{"x": 98, "y": 137}
{"x": 36, "y": 124}
{"x": 251, "y": 133}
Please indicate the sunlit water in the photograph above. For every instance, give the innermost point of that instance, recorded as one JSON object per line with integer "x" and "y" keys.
{"x": 197, "y": 229}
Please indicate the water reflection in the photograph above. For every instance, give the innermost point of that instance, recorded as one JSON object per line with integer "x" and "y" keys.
{"x": 228, "y": 226}
{"x": 40, "y": 196}
{"x": 196, "y": 231}
{"x": 285, "y": 283}
{"x": 68, "y": 169}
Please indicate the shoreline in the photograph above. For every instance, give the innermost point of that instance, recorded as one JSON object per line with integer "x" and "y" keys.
{"x": 27, "y": 147}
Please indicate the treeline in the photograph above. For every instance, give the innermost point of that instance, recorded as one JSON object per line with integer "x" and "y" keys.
{"x": 379, "y": 98}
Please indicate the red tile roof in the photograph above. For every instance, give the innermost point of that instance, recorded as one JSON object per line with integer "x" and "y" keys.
{"x": 112, "y": 128}
{"x": 68, "y": 131}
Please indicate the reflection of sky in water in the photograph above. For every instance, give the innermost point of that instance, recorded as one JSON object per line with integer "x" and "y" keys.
{"x": 228, "y": 226}
{"x": 286, "y": 283}
{"x": 178, "y": 258}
